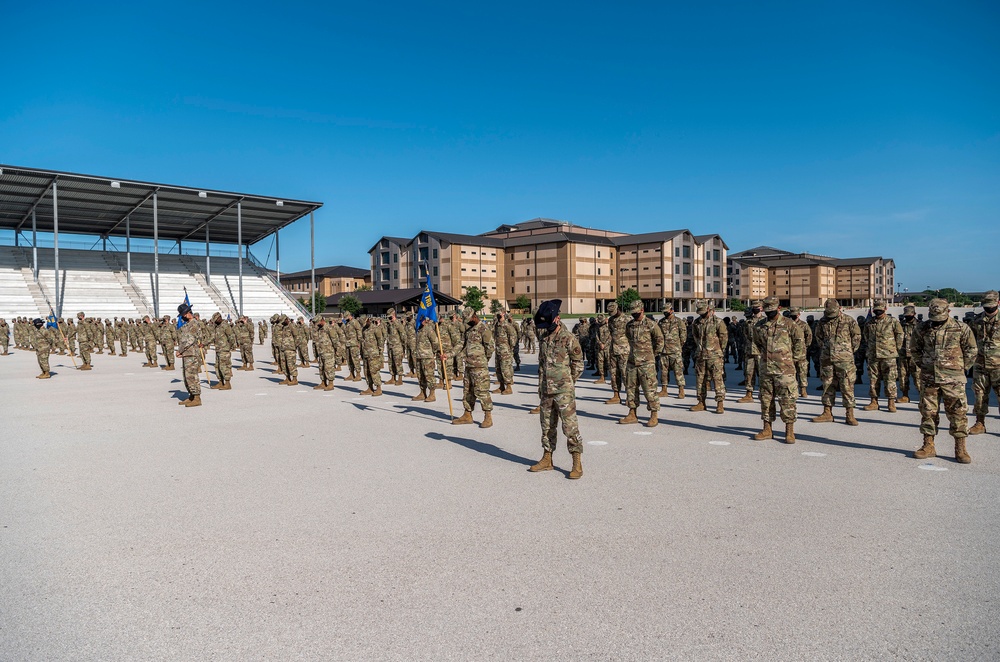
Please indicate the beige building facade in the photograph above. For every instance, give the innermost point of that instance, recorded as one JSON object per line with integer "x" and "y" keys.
{"x": 329, "y": 281}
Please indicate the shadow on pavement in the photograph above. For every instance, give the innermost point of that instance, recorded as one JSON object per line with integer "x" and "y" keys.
{"x": 481, "y": 447}
{"x": 432, "y": 413}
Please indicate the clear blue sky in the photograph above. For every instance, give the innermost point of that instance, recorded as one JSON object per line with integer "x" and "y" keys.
{"x": 846, "y": 128}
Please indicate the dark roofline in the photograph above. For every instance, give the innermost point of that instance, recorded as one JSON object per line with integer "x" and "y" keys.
{"x": 336, "y": 271}
{"x": 648, "y": 237}
{"x": 393, "y": 297}
{"x": 402, "y": 241}
{"x": 466, "y": 239}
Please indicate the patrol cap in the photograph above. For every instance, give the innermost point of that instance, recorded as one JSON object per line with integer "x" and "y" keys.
{"x": 81, "y": 314}
{"x": 467, "y": 314}
{"x": 668, "y": 308}
{"x": 991, "y": 298}
{"x": 756, "y": 304}
{"x": 183, "y": 309}
{"x": 880, "y": 304}
{"x": 637, "y": 306}
{"x": 547, "y": 312}
{"x": 938, "y": 310}
{"x": 217, "y": 316}
{"x": 909, "y": 309}
{"x": 612, "y": 308}
{"x": 600, "y": 318}
{"x": 390, "y": 312}
{"x": 794, "y": 310}
{"x": 770, "y": 303}
{"x": 317, "y": 319}
{"x": 831, "y": 307}
{"x": 701, "y": 307}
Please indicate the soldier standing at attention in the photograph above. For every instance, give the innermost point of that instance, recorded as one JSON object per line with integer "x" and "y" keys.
{"x": 371, "y": 352}
{"x": 325, "y": 341}
{"x": 802, "y": 365}
{"x": 43, "y": 341}
{"x": 224, "y": 339}
{"x": 885, "y": 339}
{"x": 456, "y": 330}
{"x": 619, "y": 352}
{"x": 286, "y": 351}
{"x": 750, "y": 353}
{"x": 148, "y": 334}
{"x": 908, "y": 368}
{"x": 188, "y": 350}
{"x": 396, "y": 341}
{"x": 476, "y": 350}
{"x": 986, "y": 371}
{"x": 301, "y": 336}
{"x": 602, "y": 348}
{"x": 780, "y": 347}
{"x": 675, "y": 333}
{"x": 557, "y": 376}
{"x": 425, "y": 353}
{"x": 862, "y": 352}
{"x": 261, "y": 332}
{"x": 247, "y": 348}
{"x": 710, "y": 339}
{"x": 352, "y": 341}
{"x": 645, "y": 342}
{"x": 83, "y": 336}
{"x": 838, "y": 336}
{"x": 504, "y": 362}
{"x": 4, "y": 336}
{"x": 168, "y": 336}
{"x": 946, "y": 349}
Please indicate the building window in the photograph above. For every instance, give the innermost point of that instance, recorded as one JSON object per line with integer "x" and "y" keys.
{"x": 395, "y": 273}
{"x": 527, "y": 255}
{"x": 529, "y": 272}
{"x": 687, "y": 286}
{"x": 716, "y": 255}
{"x": 511, "y": 273}
{"x": 686, "y": 268}
{"x": 677, "y": 251}
{"x": 598, "y": 271}
{"x": 687, "y": 251}
{"x": 435, "y": 271}
{"x": 708, "y": 271}
{"x": 677, "y": 269}
{"x": 529, "y": 288}
{"x": 512, "y": 290}
{"x": 598, "y": 288}
{"x": 395, "y": 258}
{"x": 677, "y": 286}
{"x": 598, "y": 253}
{"x": 435, "y": 252}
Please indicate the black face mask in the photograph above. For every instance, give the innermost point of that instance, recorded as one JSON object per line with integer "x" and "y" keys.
{"x": 937, "y": 324}
{"x": 879, "y": 313}
{"x": 990, "y": 309}
{"x": 703, "y": 315}
{"x": 756, "y": 311}
{"x": 771, "y": 314}
{"x": 908, "y": 317}
{"x": 636, "y": 316}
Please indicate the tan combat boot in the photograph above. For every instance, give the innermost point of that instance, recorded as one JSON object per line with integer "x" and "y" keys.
{"x": 629, "y": 418}
{"x": 663, "y": 391}
{"x": 961, "y": 456}
{"x": 680, "y": 392}
{"x": 789, "y": 433}
{"x": 507, "y": 391}
{"x": 321, "y": 386}
{"x": 228, "y": 386}
{"x": 654, "y": 419}
{"x": 803, "y": 393}
{"x": 193, "y": 402}
{"x": 544, "y": 464}
{"x": 487, "y": 420}
{"x": 979, "y": 427}
{"x": 613, "y": 400}
{"x": 498, "y": 390}
{"x": 699, "y": 407}
{"x": 850, "y": 420}
{"x": 378, "y": 391}
{"x": 927, "y": 450}
{"x": 536, "y": 410}
{"x": 601, "y": 380}
{"x": 766, "y": 433}
{"x": 329, "y": 386}
{"x": 720, "y": 408}
{"x": 430, "y": 396}
{"x": 464, "y": 419}
{"x": 186, "y": 400}
{"x": 44, "y": 375}
{"x": 294, "y": 382}
{"x": 904, "y": 399}
{"x": 419, "y": 397}
{"x": 825, "y": 417}
{"x": 746, "y": 398}
{"x": 577, "y": 467}
{"x": 216, "y": 386}
{"x": 872, "y": 406}
{"x": 892, "y": 406}
{"x": 367, "y": 391}
{"x": 284, "y": 382}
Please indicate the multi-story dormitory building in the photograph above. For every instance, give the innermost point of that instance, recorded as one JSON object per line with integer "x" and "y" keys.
{"x": 547, "y": 259}
{"x": 807, "y": 280}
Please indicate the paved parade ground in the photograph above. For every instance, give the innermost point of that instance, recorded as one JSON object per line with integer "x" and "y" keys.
{"x": 284, "y": 523}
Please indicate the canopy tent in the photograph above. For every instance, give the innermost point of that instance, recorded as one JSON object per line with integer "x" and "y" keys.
{"x": 54, "y": 201}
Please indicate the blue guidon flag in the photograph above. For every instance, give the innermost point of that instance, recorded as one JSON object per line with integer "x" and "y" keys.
{"x": 428, "y": 307}
{"x": 51, "y": 322}
{"x": 180, "y": 320}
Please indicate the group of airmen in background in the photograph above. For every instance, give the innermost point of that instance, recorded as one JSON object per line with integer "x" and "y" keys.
{"x": 633, "y": 353}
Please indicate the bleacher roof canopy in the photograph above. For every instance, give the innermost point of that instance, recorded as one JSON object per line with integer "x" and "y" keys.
{"x": 93, "y": 205}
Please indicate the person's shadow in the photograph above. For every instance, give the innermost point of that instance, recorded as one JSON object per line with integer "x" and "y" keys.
{"x": 482, "y": 447}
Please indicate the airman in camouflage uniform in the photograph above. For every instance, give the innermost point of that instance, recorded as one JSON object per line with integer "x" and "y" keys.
{"x": 557, "y": 376}
{"x": 83, "y": 337}
{"x": 409, "y": 326}
{"x": 710, "y": 340}
{"x": 528, "y": 335}
{"x": 504, "y": 356}
{"x": 4, "y": 336}
{"x": 839, "y": 337}
{"x": 780, "y": 347}
{"x": 371, "y": 352}
{"x": 946, "y": 349}
{"x": 986, "y": 371}
{"x": 908, "y": 368}
{"x": 148, "y": 333}
{"x": 70, "y": 329}
{"x": 885, "y": 339}
{"x": 645, "y": 341}
{"x": 426, "y": 354}
{"x": 121, "y": 334}
{"x": 582, "y": 333}
{"x": 284, "y": 335}
{"x": 396, "y": 342}
{"x": 456, "y": 329}
{"x": 862, "y": 352}
{"x": 619, "y": 351}
{"x": 300, "y": 333}
{"x": 802, "y": 364}
{"x": 751, "y": 354}
{"x": 326, "y": 340}
{"x": 602, "y": 348}
{"x": 224, "y": 339}
{"x": 168, "y": 337}
{"x": 189, "y": 351}
{"x": 675, "y": 333}
{"x": 352, "y": 344}
{"x": 261, "y": 332}
{"x": 244, "y": 339}
{"x": 43, "y": 341}
{"x": 477, "y": 348}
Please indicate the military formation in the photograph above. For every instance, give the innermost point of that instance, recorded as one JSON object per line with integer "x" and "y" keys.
{"x": 632, "y": 353}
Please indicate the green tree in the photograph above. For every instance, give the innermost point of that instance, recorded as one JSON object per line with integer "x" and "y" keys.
{"x": 320, "y": 304}
{"x": 495, "y": 306}
{"x": 364, "y": 288}
{"x": 737, "y": 306}
{"x": 523, "y": 302}
{"x": 350, "y": 304}
{"x": 626, "y": 299}
{"x": 474, "y": 298}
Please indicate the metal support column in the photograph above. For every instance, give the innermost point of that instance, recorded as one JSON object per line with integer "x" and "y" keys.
{"x": 156, "y": 258}
{"x": 208, "y": 258}
{"x": 55, "y": 244}
{"x": 239, "y": 246}
{"x": 312, "y": 259}
{"x": 128, "y": 249}
{"x": 277, "y": 255}
{"x": 34, "y": 245}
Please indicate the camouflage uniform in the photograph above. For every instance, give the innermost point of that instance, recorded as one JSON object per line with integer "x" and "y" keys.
{"x": 986, "y": 371}
{"x": 148, "y": 333}
{"x": 839, "y": 337}
{"x": 169, "y": 338}
{"x": 425, "y": 353}
{"x": 224, "y": 339}
{"x": 645, "y": 341}
{"x": 396, "y": 340}
{"x": 689, "y": 347}
{"x": 371, "y": 352}
{"x": 861, "y": 353}
{"x": 455, "y": 330}
{"x": 802, "y": 364}
{"x": 675, "y": 333}
{"x": 779, "y": 346}
{"x": 751, "y": 354}
{"x": 300, "y": 333}
{"x": 4, "y": 336}
{"x": 43, "y": 340}
{"x": 188, "y": 349}
{"x": 602, "y": 348}
{"x": 617, "y": 322}
{"x": 411, "y": 343}
{"x": 275, "y": 346}
{"x": 557, "y": 375}
{"x": 283, "y": 334}
{"x": 908, "y": 368}
{"x": 945, "y": 349}
{"x": 528, "y": 335}
{"x": 352, "y": 345}
{"x": 885, "y": 339}
{"x": 121, "y": 333}
{"x": 326, "y": 340}
{"x": 83, "y": 337}
{"x": 261, "y": 331}
{"x": 504, "y": 356}
{"x": 477, "y": 348}
{"x": 244, "y": 339}
{"x": 710, "y": 340}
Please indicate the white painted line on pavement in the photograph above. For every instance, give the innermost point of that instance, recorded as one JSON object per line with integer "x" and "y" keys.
{"x": 814, "y": 454}
{"x": 719, "y": 443}
{"x": 597, "y": 443}
{"x": 931, "y": 467}
{"x": 643, "y": 433}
